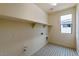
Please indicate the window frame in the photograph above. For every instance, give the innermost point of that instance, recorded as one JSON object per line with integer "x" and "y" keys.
{"x": 71, "y": 23}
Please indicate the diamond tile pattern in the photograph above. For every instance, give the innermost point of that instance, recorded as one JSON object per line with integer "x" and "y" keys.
{"x": 55, "y": 50}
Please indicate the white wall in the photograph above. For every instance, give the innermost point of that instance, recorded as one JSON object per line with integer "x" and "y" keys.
{"x": 77, "y": 28}
{"x": 55, "y": 35}
{"x": 14, "y": 35}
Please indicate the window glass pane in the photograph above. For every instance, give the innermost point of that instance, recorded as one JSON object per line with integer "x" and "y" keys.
{"x": 66, "y": 23}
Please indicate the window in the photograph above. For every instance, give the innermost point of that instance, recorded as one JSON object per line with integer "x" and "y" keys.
{"x": 66, "y": 23}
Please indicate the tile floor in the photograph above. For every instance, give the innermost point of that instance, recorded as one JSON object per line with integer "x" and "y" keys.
{"x": 55, "y": 50}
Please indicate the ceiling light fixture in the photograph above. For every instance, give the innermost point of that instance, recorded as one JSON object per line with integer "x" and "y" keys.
{"x": 53, "y": 4}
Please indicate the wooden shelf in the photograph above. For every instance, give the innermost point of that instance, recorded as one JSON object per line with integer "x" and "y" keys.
{"x": 22, "y": 20}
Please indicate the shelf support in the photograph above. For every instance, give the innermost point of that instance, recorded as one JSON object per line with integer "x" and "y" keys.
{"x": 33, "y": 25}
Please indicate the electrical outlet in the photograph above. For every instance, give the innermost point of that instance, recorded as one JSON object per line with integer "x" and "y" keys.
{"x": 25, "y": 48}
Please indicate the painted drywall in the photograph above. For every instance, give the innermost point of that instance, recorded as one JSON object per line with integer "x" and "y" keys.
{"x": 14, "y": 36}
{"x": 26, "y": 11}
{"x": 55, "y": 35}
{"x": 77, "y": 28}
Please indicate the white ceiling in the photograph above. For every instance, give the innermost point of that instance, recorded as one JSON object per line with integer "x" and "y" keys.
{"x": 47, "y": 7}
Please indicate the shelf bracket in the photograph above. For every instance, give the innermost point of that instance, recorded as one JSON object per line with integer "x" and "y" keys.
{"x": 33, "y": 25}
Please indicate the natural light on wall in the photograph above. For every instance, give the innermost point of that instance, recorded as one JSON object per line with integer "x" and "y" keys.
{"x": 53, "y": 4}
{"x": 66, "y": 23}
